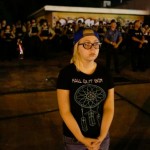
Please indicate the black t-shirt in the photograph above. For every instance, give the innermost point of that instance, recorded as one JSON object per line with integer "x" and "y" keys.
{"x": 136, "y": 33}
{"x": 44, "y": 32}
{"x": 87, "y": 96}
{"x": 34, "y": 29}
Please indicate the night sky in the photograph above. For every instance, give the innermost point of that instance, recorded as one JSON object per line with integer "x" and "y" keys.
{"x": 19, "y": 9}
{"x": 13, "y": 10}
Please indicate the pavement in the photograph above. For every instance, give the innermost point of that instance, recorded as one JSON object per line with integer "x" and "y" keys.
{"x": 29, "y": 117}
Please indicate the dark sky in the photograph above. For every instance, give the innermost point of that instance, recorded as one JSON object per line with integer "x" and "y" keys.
{"x": 19, "y": 9}
{"x": 13, "y": 10}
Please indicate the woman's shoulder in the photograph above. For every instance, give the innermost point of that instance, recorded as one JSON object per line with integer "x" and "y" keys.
{"x": 102, "y": 69}
{"x": 68, "y": 68}
{"x": 101, "y": 66}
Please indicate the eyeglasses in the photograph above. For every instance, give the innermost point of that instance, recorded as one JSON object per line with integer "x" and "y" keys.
{"x": 88, "y": 45}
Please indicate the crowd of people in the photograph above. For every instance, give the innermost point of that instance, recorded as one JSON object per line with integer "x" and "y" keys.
{"x": 36, "y": 40}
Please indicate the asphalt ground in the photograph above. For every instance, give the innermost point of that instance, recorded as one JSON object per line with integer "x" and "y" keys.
{"x": 29, "y": 117}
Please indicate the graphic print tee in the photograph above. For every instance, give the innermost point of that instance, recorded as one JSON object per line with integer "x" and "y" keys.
{"x": 87, "y": 96}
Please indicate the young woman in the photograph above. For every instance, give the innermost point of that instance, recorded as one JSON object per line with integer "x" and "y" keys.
{"x": 85, "y": 94}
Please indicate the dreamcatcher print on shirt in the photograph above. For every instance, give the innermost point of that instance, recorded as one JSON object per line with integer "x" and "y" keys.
{"x": 89, "y": 97}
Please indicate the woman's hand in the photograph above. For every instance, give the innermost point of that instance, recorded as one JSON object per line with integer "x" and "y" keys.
{"x": 95, "y": 146}
{"x": 90, "y": 143}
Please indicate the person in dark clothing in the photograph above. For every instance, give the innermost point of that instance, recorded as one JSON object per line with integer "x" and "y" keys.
{"x": 57, "y": 41}
{"x": 79, "y": 25}
{"x": 85, "y": 93}
{"x": 113, "y": 39}
{"x": 34, "y": 40}
{"x": 137, "y": 47}
{"x": 46, "y": 35}
{"x": 8, "y": 38}
{"x": 67, "y": 41}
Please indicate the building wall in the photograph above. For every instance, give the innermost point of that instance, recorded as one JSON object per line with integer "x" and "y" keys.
{"x": 91, "y": 18}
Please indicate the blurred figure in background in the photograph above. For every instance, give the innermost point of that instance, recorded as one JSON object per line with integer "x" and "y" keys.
{"x": 34, "y": 40}
{"x": 8, "y": 47}
{"x": 59, "y": 31}
{"x": 137, "y": 47}
{"x": 113, "y": 39}
{"x": 46, "y": 34}
{"x": 67, "y": 41}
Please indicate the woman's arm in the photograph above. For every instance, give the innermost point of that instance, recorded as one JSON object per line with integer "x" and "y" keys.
{"x": 108, "y": 113}
{"x": 64, "y": 109}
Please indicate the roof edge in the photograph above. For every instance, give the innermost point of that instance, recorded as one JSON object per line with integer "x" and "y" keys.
{"x": 95, "y": 10}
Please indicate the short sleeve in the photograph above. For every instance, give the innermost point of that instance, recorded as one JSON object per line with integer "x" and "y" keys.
{"x": 110, "y": 81}
{"x": 63, "y": 80}
{"x": 107, "y": 77}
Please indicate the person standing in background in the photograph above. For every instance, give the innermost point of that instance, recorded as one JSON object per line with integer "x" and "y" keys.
{"x": 113, "y": 39}
{"x": 137, "y": 47}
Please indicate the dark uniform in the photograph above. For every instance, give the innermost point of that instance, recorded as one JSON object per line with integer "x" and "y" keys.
{"x": 137, "y": 52}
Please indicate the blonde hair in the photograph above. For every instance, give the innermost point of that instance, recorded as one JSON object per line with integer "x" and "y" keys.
{"x": 76, "y": 56}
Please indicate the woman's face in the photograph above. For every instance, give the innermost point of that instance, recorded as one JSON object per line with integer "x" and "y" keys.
{"x": 88, "y": 48}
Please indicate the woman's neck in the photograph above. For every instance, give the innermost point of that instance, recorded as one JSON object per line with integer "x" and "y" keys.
{"x": 86, "y": 67}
